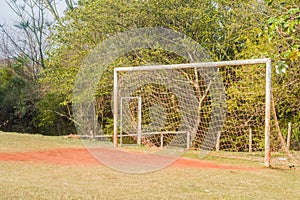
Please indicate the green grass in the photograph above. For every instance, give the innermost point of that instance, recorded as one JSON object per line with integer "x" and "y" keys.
{"x": 25, "y": 180}
{"x": 13, "y": 142}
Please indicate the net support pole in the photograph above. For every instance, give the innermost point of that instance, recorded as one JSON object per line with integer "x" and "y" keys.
{"x": 139, "y": 127}
{"x": 115, "y": 138}
{"x": 218, "y": 141}
{"x": 188, "y": 139}
{"x": 250, "y": 140}
{"x": 121, "y": 122}
{"x": 268, "y": 112}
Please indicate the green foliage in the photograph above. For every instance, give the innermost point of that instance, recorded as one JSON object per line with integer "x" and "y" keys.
{"x": 218, "y": 26}
{"x": 227, "y": 29}
{"x": 17, "y": 98}
{"x": 283, "y": 30}
{"x": 54, "y": 118}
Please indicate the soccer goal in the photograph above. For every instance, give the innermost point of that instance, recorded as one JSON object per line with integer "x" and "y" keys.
{"x": 220, "y": 106}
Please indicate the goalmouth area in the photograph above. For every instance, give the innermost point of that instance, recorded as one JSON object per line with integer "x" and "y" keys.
{"x": 211, "y": 106}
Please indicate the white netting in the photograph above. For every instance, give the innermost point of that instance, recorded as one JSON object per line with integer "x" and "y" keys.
{"x": 179, "y": 106}
{"x": 196, "y": 107}
{"x": 206, "y": 108}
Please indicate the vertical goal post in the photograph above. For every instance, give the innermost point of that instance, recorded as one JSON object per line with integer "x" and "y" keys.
{"x": 139, "y": 120}
{"x": 268, "y": 86}
{"x": 139, "y": 132}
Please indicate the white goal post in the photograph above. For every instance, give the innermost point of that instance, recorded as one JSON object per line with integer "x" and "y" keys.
{"x": 139, "y": 121}
{"x": 138, "y": 133}
{"x": 203, "y": 65}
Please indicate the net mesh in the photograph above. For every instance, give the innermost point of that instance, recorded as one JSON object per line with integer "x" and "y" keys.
{"x": 201, "y": 103}
{"x": 219, "y": 109}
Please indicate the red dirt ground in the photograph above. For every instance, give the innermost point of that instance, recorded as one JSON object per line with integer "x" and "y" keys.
{"x": 81, "y": 157}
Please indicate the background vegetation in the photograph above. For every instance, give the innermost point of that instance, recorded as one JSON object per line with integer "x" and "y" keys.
{"x": 41, "y": 57}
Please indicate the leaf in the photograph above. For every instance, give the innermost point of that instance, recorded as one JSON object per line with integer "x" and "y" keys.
{"x": 271, "y": 20}
{"x": 281, "y": 67}
{"x": 293, "y": 11}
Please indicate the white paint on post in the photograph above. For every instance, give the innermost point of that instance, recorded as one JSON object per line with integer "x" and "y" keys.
{"x": 268, "y": 112}
{"x": 188, "y": 139}
{"x": 218, "y": 141}
{"x": 250, "y": 140}
{"x": 196, "y": 65}
{"x": 139, "y": 126}
{"x": 115, "y": 138}
{"x": 92, "y": 135}
{"x": 121, "y": 121}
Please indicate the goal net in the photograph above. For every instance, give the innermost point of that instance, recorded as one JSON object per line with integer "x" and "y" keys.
{"x": 220, "y": 106}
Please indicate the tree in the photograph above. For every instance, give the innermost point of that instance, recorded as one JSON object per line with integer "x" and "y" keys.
{"x": 32, "y": 30}
{"x": 28, "y": 37}
{"x": 18, "y": 98}
{"x": 283, "y": 31}
{"x": 24, "y": 46}
{"x": 216, "y": 25}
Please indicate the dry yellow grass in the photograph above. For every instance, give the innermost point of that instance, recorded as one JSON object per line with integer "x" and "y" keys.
{"x": 25, "y": 180}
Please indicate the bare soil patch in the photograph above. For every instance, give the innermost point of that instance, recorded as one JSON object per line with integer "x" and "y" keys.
{"x": 81, "y": 157}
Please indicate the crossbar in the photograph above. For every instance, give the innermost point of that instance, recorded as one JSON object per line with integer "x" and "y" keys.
{"x": 161, "y": 136}
{"x": 193, "y": 65}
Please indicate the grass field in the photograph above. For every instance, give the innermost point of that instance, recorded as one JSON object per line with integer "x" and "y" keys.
{"x": 39, "y": 180}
